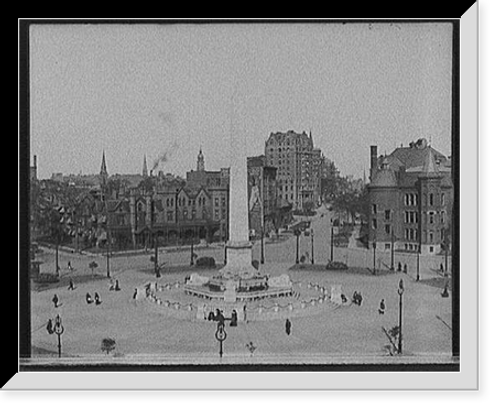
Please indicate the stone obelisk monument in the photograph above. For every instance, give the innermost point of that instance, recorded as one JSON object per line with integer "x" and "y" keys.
{"x": 239, "y": 248}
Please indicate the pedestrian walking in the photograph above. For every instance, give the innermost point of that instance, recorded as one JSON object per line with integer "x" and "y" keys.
{"x": 117, "y": 286}
{"x": 88, "y": 298}
{"x": 288, "y": 326}
{"x": 445, "y": 293}
{"x": 381, "y": 308}
{"x": 399, "y": 266}
{"x": 234, "y": 318}
{"x": 55, "y": 300}
{"x": 97, "y": 299}
{"x": 71, "y": 285}
{"x": 405, "y": 268}
{"x": 50, "y": 327}
{"x": 69, "y": 265}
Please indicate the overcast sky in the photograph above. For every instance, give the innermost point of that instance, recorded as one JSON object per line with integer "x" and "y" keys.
{"x": 152, "y": 90}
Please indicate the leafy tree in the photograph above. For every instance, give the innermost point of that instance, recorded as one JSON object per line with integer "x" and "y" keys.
{"x": 93, "y": 265}
{"x": 108, "y": 345}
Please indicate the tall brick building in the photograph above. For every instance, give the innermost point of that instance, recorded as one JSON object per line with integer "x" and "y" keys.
{"x": 410, "y": 199}
{"x": 262, "y": 194}
{"x": 298, "y": 165}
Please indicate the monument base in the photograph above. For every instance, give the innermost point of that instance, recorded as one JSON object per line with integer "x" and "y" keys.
{"x": 239, "y": 261}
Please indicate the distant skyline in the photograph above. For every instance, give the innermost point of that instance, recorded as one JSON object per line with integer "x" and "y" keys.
{"x": 164, "y": 91}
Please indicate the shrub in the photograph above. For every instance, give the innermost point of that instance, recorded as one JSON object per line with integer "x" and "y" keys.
{"x": 336, "y": 265}
{"x": 205, "y": 262}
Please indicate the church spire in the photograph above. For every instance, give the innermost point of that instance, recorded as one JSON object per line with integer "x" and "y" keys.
{"x": 104, "y": 170}
{"x": 144, "y": 167}
{"x": 201, "y": 162}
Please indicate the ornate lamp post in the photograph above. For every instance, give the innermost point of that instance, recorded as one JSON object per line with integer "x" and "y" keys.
{"x": 58, "y": 329}
{"x": 400, "y": 293}
{"x": 220, "y": 335}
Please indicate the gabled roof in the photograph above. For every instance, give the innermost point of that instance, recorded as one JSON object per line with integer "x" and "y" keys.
{"x": 384, "y": 178}
{"x": 414, "y": 158}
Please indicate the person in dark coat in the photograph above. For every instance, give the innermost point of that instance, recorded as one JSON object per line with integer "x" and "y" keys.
{"x": 288, "y": 326}
{"x": 55, "y": 300}
{"x": 88, "y": 298}
{"x": 381, "y": 308}
{"x": 71, "y": 285}
{"x": 234, "y": 319}
{"x": 97, "y": 299}
{"x": 50, "y": 327}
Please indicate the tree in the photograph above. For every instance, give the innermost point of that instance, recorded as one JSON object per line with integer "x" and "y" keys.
{"x": 108, "y": 345}
{"x": 93, "y": 265}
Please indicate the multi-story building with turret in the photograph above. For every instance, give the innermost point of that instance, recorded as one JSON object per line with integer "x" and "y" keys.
{"x": 410, "y": 199}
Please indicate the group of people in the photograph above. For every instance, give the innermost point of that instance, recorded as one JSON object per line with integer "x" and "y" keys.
{"x": 115, "y": 286}
{"x": 404, "y": 267}
{"x": 218, "y": 317}
{"x": 97, "y": 299}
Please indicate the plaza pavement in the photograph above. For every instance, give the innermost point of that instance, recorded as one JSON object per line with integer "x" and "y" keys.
{"x": 144, "y": 334}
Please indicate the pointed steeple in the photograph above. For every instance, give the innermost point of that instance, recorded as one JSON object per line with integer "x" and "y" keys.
{"x": 201, "y": 161}
{"x": 144, "y": 168}
{"x": 430, "y": 166}
{"x": 104, "y": 170}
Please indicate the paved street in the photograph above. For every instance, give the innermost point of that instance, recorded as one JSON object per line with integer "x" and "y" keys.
{"x": 140, "y": 328}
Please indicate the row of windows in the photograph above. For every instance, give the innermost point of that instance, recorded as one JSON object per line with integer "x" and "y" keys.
{"x": 411, "y": 199}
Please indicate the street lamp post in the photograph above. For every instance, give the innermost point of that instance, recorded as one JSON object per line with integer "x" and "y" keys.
{"x": 58, "y": 329}
{"x": 108, "y": 273}
{"x": 220, "y": 335}
{"x": 157, "y": 267}
{"x": 192, "y": 249}
{"x": 262, "y": 245}
{"x": 400, "y": 293}
{"x": 392, "y": 250}
{"x": 297, "y": 235}
{"x": 57, "y": 255}
{"x": 418, "y": 263}
{"x": 312, "y": 247}
{"x": 331, "y": 240}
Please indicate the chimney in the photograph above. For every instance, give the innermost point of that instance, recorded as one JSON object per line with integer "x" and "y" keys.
{"x": 373, "y": 160}
{"x": 33, "y": 174}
